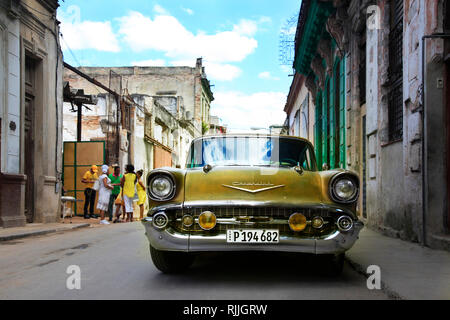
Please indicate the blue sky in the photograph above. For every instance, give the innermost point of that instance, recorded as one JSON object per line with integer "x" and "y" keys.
{"x": 238, "y": 41}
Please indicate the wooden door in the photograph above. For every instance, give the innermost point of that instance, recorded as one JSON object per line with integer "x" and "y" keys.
{"x": 447, "y": 108}
{"x": 29, "y": 140}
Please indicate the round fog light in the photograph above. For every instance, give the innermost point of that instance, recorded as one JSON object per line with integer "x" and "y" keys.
{"x": 345, "y": 223}
{"x": 297, "y": 222}
{"x": 317, "y": 222}
{"x": 160, "y": 220}
{"x": 187, "y": 220}
{"x": 207, "y": 220}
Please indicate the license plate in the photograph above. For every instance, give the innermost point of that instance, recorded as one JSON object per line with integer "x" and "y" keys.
{"x": 253, "y": 236}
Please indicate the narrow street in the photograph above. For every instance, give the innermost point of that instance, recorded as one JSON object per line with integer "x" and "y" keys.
{"x": 115, "y": 264}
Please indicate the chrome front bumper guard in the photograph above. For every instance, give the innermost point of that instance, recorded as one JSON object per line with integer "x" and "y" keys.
{"x": 170, "y": 240}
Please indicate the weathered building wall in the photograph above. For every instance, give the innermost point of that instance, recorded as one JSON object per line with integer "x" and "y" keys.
{"x": 436, "y": 214}
{"x": 393, "y": 174}
{"x": 300, "y": 109}
{"x": 31, "y": 139}
{"x": 152, "y": 81}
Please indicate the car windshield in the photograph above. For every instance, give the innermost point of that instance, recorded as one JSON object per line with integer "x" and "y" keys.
{"x": 253, "y": 151}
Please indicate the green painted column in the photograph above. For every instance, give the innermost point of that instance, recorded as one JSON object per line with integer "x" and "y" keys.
{"x": 332, "y": 113}
{"x": 342, "y": 143}
{"x": 318, "y": 129}
{"x": 324, "y": 125}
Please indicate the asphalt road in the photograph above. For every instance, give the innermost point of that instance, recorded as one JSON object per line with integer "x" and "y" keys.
{"x": 115, "y": 263}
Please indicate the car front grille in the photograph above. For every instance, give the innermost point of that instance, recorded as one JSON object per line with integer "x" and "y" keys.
{"x": 255, "y": 218}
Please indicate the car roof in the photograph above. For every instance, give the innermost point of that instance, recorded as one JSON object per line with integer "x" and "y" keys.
{"x": 231, "y": 135}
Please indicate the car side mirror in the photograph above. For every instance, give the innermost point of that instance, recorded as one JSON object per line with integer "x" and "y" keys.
{"x": 325, "y": 167}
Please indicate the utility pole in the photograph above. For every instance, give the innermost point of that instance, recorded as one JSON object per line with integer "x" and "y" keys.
{"x": 79, "y": 116}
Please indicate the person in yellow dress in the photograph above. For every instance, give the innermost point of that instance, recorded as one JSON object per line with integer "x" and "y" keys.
{"x": 141, "y": 194}
{"x": 128, "y": 184}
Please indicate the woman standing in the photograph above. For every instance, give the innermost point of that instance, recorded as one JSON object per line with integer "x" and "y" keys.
{"x": 104, "y": 193}
{"x": 141, "y": 194}
{"x": 128, "y": 183}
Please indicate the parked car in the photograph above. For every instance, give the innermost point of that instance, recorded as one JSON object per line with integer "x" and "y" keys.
{"x": 250, "y": 193}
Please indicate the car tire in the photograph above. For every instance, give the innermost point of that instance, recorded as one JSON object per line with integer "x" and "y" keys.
{"x": 171, "y": 262}
{"x": 334, "y": 264}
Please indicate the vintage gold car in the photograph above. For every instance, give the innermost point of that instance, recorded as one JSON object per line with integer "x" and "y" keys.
{"x": 251, "y": 193}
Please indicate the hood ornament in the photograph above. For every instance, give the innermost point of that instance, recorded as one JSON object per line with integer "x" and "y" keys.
{"x": 268, "y": 186}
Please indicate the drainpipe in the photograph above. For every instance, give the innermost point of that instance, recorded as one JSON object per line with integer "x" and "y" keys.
{"x": 424, "y": 144}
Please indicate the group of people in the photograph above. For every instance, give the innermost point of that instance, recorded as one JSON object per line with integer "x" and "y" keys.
{"x": 114, "y": 189}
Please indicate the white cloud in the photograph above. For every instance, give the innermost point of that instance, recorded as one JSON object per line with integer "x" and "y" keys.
{"x": 246, "y": 27}
{"x": 241, "y": 112}
{"x": 165, "y": 33}
{"x": 267, "y": 76}
{"x": 188, "y": 11}
{"x": 86, "y": 34}
{"x": 149, "y": 63}
{"x": 160, "y": 10}
{"x": 214, "y": 71}
{"x": 286, "y": 69}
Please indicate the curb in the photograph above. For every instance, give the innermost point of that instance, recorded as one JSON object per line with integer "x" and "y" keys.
{"x": 361, "y": 269}
{"x": 41, "y": 232}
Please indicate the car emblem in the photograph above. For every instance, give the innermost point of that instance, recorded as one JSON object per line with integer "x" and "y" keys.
{"x": 268, "y": 186}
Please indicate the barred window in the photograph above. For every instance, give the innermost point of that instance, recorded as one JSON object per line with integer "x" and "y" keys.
{"x": 395, "y": 98}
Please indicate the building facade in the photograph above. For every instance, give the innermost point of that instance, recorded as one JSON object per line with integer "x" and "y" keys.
{"x": 377, "y": 72}
{"x": 154, "y": 124}
{"x": 31, "y": 112}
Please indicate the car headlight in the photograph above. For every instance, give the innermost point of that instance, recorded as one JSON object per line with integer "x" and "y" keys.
{"x": 344, "y": 188}
{"x": 161, "y": 187}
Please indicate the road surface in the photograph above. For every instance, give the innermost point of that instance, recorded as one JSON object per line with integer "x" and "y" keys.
{"x": 115, "y": 263}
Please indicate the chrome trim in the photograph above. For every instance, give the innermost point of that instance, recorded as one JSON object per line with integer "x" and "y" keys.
{"x": 253, "y": 191}
{"x": 341, "y": 228}
{"x": 235, "y": 222}
{"x": 298, "y": 169}
{"x": 152, "y": 176}
{"x": 155, "y": 217}
{"x": 336, "y": 177}
{"x": 207, "y": 168}
{"x": 170, "y": 240}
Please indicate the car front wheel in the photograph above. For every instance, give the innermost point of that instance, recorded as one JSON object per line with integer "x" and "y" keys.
{"x": 333, "y": 264}
{"x": 171, "y": 262}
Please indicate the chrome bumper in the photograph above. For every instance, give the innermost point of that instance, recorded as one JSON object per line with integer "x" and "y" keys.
{"x": 170, "y": 240}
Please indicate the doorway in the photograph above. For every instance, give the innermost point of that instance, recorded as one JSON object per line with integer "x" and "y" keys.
{"x": 29, "y": 127}
{"x": 447, "y": 108}
{"x": 363, "y": 167}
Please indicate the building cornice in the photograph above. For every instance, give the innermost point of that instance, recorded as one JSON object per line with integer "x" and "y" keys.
{"x": 294, "y": 91}
{"x": 312, "y": 20}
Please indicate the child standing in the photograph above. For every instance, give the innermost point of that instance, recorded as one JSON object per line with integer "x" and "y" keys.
{"x": 141, "y": 194}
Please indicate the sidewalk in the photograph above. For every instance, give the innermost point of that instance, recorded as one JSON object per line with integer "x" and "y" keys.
{"x": 37, "y": 229}
{"x": 408, "y": 270}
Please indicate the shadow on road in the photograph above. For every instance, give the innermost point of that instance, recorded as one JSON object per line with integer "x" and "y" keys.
{"x": 258, "y": 268}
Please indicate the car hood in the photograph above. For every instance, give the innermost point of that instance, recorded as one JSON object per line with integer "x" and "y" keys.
{"x": 254, "y": 184}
